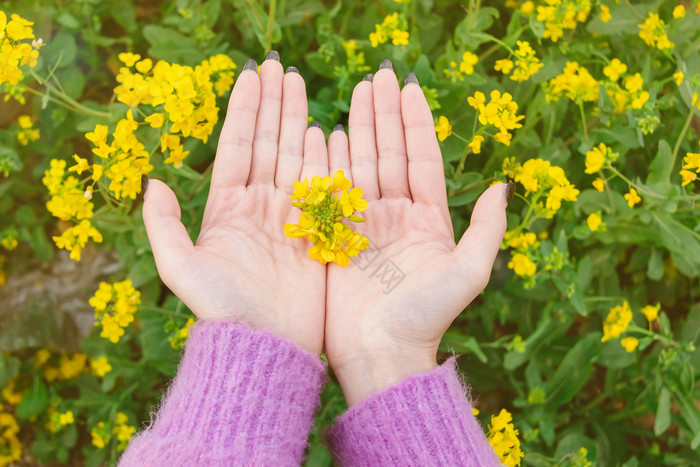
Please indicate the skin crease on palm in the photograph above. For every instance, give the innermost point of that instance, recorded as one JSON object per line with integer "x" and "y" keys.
{"x": 242, "y": 266}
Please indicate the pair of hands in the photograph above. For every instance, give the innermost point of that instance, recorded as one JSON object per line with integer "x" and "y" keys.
{"x": 381, "y": 317}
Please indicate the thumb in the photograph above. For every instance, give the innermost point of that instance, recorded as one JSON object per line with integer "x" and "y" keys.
{"x": 170, "y": 242}
{"x": 479, "y": 245}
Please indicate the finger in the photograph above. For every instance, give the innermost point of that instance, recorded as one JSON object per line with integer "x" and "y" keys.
{"x": 339, "y": 152}
{"x": 267, "y": 128}
{"x": 479, "y": 245}
{"x": 170, "y": 242}
{"x": 426, "y": 175}
{"x": 392, "y": 164}
{"x": 235, "y": 149}
{"x": 315, "y": 153}
{"x": 295, "y": 117}
{"x": 363, "y": 148}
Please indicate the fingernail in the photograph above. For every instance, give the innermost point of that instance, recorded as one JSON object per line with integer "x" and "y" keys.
{"x": 510, "y": 191}
{"x": 291, "y": 69}
{"x": 315, "y": 125}
{"x": 250, "y": 64}
{"x": 144, "y": 184}
{"x": 339, "y": 128}
{"x": 411, "y": 78}
{"x": 273, "y": 55}
{"x": 386, "y": 64}
{"x": 368, "y": 77}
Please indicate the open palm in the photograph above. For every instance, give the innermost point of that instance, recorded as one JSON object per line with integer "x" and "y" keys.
{"x": 387, "y": 311}
{"x": 242, "y": 267}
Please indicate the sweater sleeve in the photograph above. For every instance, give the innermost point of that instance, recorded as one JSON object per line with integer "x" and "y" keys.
{"x": 425, "y": 419}
{"x": 241, "y": 396}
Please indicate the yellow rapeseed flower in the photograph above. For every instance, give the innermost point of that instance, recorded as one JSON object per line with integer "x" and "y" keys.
{"x": 558, "y": 15}
{"x": 100, "y": 366}
{"x": 616, "y": 322}
{"x": 575, "y": 82}
{"x": 115, "y": 305}
{"x": 599, "y": 184}
{"x": 614, "y": 69}
{"x": 468, "y": 61}
{"x": 605, "y": 15}
{"x": 632, "y": 197}
{"x": 27, "y": 133}
{"x": 653, "y": 32}
{"x": 10, "y": 446}
{"x": 475, "y": 144}
{"x": 629, "y": 343}
{"x": 597, "y": 157}
{"x": 443, "y": 128}
{"x": 324, "y": 204}
{"x": 679, "y": 11}
{"x": 595, "y": 223}
{"x": 651, "y": 312}
{"x": 522, "y": 265}
{"x": 503, "y": 438}
{"x": 501, "y": 112}
{"x": 504, "y": 65}
{"x": 100, "y": 435}
{"x": 678, "y": 76}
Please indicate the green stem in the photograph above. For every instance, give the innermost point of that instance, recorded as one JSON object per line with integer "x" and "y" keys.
{"x": 74, "y": 105}
{"x": 634, "y": 185}
{"x": 583, "y": 121}
{"x": 634, "y": 10}
{"x": 194, "y": 189}
{"x": 270, "y": 24}
{"x": 679, "y": 141}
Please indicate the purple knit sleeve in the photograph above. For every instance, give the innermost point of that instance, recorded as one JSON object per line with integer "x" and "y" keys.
{"x": 241, "y": 396}
{"x": 425, "y": 420}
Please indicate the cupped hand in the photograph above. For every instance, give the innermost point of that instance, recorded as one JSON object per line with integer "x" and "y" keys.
{"x": 242, "y": 267}
{"x": 387, "y": 311}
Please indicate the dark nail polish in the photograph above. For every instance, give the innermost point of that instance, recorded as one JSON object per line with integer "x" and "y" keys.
{"x": 273, "y": 55}
{"x": 386, "y": 64}
{"x": 510, "y": 191}
{"x": 144, "y": 184}
{"x": 291, "y": 69}
{"x": 368, "y": 77}
{"x": 339, "y": 128}
{"x": 315, "y": 125}
{"x": 250, "y": 64}
{"x": 411, "y": 78}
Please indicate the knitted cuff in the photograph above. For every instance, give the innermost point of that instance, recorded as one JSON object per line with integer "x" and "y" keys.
{"x": 240, "y": 396}
{"x": 425, "y": 419}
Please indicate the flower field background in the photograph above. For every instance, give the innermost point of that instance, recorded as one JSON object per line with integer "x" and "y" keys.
{"x": 580, "y": 352}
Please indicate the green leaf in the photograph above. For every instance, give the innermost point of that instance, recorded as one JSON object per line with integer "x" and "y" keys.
{"x": 663, "y": 412}
{"x": 9, "y": 161}
{"x": 464, "y": 344}
{"x": 544, "y": 330}
{"x": 574, "y": 370}
{"x": 168, "y": 44}
{"x": 691, "y": 415}
{"x": 61, "y": 47}
{"x": 34, "y": 401}
{"x": 572, "y": 442}
{"x": 124, "y": 14}
{"x": 660, "y": 168}
{"x": 655, "y": 266}
{"x": 67, "y": 20}
{"x": 9, "y": 367}
{"x": 69, "y": 436}
{"x": 259, "y": 20}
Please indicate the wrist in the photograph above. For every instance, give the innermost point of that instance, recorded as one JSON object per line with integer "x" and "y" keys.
{"x": 362, "y": 375}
